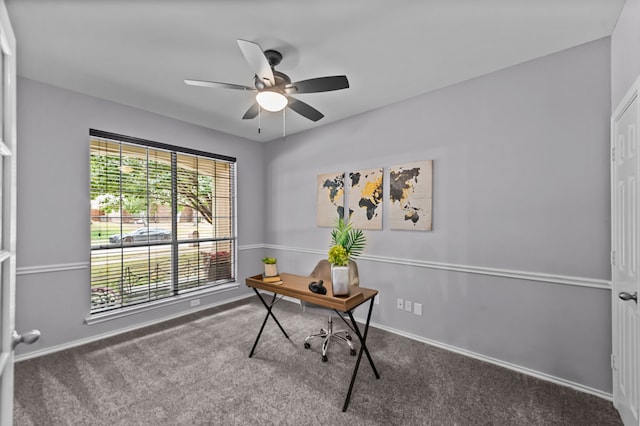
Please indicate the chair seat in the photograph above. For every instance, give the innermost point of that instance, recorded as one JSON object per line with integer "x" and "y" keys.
{"x": 323, "y": 271}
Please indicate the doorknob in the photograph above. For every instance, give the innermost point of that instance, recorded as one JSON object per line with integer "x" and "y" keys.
{"x": 28, "y": 338}
{"x": 626, "y": 296}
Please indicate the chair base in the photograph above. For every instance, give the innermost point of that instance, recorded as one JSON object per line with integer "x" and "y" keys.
{"x": 329, "y": 334}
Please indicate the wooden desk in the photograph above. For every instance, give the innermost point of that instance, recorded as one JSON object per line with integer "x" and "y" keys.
{"x": 297, "y": 286}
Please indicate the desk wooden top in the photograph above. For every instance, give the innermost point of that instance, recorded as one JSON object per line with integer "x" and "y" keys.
{"x": 297, "y": 286}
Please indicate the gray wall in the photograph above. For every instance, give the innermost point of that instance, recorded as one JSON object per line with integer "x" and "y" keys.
{"x": 515, "y": 270}
{"x": 625, "y": 48}
{"x": 521, "y": 190}
{"x": 53, "y": 201}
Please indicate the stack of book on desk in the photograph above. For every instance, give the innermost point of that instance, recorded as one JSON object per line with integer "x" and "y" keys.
{"x": 272, "y": 280}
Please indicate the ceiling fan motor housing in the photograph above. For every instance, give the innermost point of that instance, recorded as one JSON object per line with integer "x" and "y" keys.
{"x": 281, "y": 80}
{"x": 273, "y": 56}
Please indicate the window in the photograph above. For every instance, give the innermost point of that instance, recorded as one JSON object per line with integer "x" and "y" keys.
{"x": 162, "y": 221}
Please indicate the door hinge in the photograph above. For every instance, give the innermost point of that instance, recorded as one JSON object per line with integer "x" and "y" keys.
{"x": 613, "y": 153}
{"x": 613, "y": 257}
{"x": 613, "y": 362}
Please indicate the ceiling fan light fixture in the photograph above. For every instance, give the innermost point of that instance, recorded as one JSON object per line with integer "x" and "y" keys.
{"x": 272, "y": 101}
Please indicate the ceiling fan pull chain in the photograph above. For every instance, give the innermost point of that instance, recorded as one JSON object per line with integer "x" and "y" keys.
{"x": 259, "y": 109}
{"x": 284, "y": 123}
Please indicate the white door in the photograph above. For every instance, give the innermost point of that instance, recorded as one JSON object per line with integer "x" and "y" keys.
{"x": 625, "y": 169}
{"x": 7, "y": 213}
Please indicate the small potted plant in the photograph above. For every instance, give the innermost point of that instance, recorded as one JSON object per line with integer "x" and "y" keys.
{"x": 347, "y": 243}
{"x": 270, "y": 266}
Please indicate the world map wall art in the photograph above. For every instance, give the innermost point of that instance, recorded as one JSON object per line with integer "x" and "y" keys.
{"x": 365, "y": 198}
{"x": 411, "y": 196}
{"x": 410, "y": 205}
{"x": 330, "y": 205}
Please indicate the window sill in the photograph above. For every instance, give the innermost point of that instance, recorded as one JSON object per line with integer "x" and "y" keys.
{"x": 150, "y": 306}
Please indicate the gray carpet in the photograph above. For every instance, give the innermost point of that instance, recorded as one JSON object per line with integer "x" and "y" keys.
{"x": 195, "y": 370}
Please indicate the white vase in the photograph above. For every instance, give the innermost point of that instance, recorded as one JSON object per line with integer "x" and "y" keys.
{"x": 340, "y": 280}
{"x": 270, "y": 270}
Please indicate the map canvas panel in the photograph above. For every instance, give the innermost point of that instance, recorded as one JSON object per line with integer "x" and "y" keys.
{"x": 365, "y": 198}
{"x": 411, "y": 196}
{"x": 330, "y": 204}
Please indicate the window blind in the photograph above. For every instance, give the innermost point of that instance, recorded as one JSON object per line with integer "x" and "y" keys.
{"x": 162, "y": 220}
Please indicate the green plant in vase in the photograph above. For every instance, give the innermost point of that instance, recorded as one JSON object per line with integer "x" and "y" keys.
{"x": 347, "y": 243}
{"x": 270, "y": 266}
{"x": 338, "y": 256}
{"x": 346, "y": 236}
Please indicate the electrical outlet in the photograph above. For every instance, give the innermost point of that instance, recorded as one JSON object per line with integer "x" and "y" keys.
{"x": 417, "y": 308}
{"x": 407, "y": 305}
{"x": 195, "y": 302}
{"x": 400, "y": 304}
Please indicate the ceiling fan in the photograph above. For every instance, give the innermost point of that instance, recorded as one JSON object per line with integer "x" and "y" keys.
{"x": 273, "y": 88}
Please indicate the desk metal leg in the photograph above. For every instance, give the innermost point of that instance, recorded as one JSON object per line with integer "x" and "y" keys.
{"x": 363, "y": 348}
{"x": 269, "y": 313}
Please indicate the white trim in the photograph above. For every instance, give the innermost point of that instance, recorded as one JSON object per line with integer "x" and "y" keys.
{"x": 4, "y": 359}
{"x": 53, "y": 349}
{"x": 621, "y": 382}
{"x": 470, "y": 269}
{"x": 61, "y": 267}
{"x": 527, "y": 371}
{"x": 5, "y": 44}
{"x": 43, "y": 269}
{"x": 101, "y": 317}
{"x": 4, "y": 149}
{"x": 8, "y": 218}
{"x": 495, "y": 361}
{"x": 251, "y": 247}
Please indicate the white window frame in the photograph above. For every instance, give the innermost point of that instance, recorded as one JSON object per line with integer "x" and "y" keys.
{"x": 118, "y": 309}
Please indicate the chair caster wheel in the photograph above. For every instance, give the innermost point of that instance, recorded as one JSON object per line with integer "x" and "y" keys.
{"x": 352, "y": 352}
{"x": 324, "y": 358}
{"x": 306, "y": 345}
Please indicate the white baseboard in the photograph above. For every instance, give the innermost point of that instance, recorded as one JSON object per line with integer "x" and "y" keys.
{"x": 57, "y": 348}
{"x": 495, "y": 361}
{"x": 465, "y": 352}
{"x": 498, "y": 362}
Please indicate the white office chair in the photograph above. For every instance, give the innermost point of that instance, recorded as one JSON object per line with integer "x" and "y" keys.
{"x": 322, "y": 271}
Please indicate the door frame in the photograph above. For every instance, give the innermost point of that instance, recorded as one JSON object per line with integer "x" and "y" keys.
{"x": 8, "y": 215}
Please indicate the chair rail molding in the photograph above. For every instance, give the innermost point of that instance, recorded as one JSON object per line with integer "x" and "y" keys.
{"x": 470, "y": 269}
{"x": 43, "y": 269}
{"x": 61, "y": 267}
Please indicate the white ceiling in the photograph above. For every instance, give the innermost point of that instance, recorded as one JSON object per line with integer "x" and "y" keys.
{"x": 139, "y": 52}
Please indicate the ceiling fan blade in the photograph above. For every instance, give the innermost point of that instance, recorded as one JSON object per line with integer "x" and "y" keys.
{"x": 215, "y": 84}
{"x": 305, "y": 110}
{"x": 259, "y": 63}
{"x": 320, "y": 84}
{"x": 252, "y": 112}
